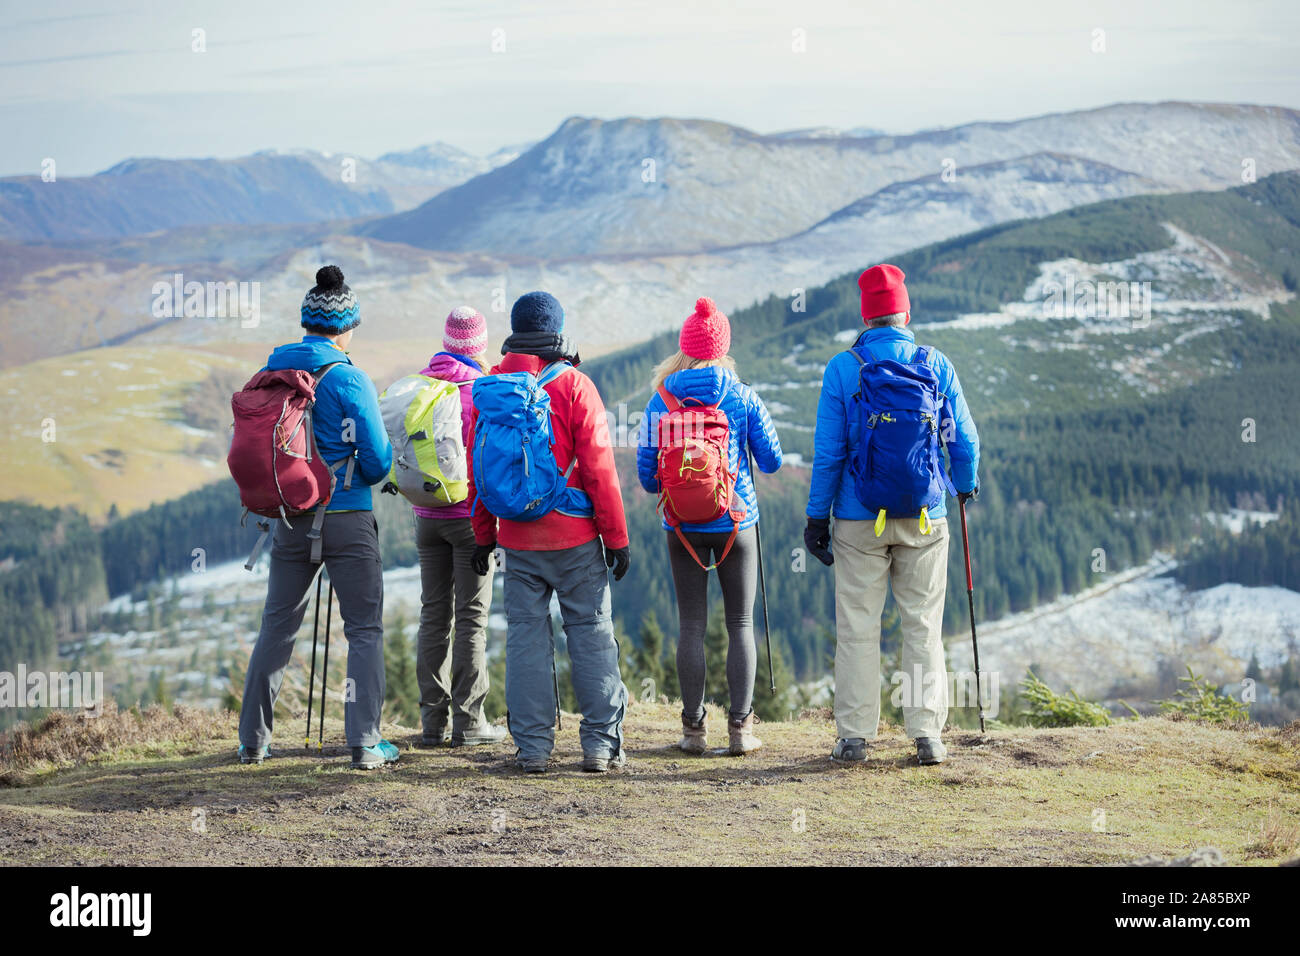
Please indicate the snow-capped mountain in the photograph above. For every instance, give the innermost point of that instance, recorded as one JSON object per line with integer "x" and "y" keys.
{"x": 638, "y": 187}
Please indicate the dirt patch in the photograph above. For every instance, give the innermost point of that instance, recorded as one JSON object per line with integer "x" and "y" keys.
{"x": 1010, "y": 797}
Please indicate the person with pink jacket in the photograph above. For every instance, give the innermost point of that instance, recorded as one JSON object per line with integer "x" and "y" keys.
{"x": 450, "y": 662}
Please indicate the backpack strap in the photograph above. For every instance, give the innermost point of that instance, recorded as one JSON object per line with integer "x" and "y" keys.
{"x": 553, "y": 371}
{"x": 318, "y": 522}
{"x": 321, "y": 372}
{"x": 726, "y": 549}
{"x": 671, "y": 402}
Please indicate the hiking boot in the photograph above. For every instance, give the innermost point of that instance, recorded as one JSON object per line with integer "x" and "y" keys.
{"x": 930, "y": 750}
{"x": 604, "y": 763}
{"x": 253, "y": 754}
{"x": 476, "y": 735}
{"x": 372, "y": 758}
{"x": 532, "y": 764}
{"x": 741, "y": 734}
{"x": 435, "y": 737}
{"x": 695, "y": 739}
{"x": 850, "y": 750}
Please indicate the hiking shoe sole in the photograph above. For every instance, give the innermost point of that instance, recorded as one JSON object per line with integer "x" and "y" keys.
{"x": 930, "y": 752}
{"x": 532, "y": 766}
{"x": 475, "y": 740}
{"x": 604, "y": 764}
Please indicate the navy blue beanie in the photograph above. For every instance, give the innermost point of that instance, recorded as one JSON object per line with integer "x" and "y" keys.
{"x": 537, "y": 312}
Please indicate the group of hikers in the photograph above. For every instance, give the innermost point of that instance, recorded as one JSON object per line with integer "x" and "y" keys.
{"x": 516, "y": 461}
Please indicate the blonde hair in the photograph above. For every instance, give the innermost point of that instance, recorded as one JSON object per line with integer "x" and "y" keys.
{"x": 682, "y": 361}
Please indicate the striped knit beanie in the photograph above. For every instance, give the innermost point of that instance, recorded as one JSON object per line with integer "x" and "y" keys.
{"x": 330, "y": 306}
{"x": 465, "y": 332}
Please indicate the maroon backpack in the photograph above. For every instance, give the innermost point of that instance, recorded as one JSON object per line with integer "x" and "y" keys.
{"x": 273, "y": 455}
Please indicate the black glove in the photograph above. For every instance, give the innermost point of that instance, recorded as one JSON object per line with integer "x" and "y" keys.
{"x": 965, "y": 496}
{"x": 618, "y": 559}
{"x": 482, "y": 557}
{"x": 817, "y": 539}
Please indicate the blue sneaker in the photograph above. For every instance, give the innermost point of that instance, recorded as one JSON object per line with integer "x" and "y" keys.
{"x": 253, "y": 754}
{"x": 371, "y": 758}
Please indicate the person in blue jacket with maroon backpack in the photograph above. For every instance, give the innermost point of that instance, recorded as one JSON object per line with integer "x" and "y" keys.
{"x": 348, "y": 428}
{"x": 898, "y": 539}
{"x": 679, "y": 435}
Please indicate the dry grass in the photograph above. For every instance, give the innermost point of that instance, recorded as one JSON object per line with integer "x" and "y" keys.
{"x": 1279, "y": 835}
{"x": 64, "y": 739}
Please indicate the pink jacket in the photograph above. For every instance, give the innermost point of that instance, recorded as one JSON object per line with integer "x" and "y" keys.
{"x": 455, "y": 368}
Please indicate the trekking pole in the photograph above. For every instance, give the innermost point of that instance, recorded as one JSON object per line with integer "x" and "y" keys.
{"x": 970, "y": 598}
{"x": 325, "y": 670}
{"x": 762, "y": 580}
{"x": 311, "y": 681}
{"x": 555, "y": 676}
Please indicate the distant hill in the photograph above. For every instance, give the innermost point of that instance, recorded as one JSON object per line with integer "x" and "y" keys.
{"x": 652, "y": 186}
{"x": 141, "y": 196}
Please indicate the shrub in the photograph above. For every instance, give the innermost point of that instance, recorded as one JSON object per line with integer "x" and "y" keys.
{"x": 1047, "y": 708}
{"x": 1199, "y": 699}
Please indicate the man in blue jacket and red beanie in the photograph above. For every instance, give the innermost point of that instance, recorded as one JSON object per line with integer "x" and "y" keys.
{"x": 874, "y": 552}
{"x": 348, "y": 429}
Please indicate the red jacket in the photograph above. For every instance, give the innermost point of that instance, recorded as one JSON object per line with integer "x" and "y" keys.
{"x": 579, "y": 427}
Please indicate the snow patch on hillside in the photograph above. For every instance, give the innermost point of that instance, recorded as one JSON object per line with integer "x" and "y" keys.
{"x": 1132, "y": 625}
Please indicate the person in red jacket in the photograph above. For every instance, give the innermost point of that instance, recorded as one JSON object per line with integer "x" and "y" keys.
{"x": 561, "y": 554}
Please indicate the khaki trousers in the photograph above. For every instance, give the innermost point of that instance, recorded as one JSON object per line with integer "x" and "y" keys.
{"x": 916, "y": 567}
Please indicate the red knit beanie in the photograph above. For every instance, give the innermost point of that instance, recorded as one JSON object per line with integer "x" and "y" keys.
{"x": 883, "y": 292}
{"x": 707, "y": 333}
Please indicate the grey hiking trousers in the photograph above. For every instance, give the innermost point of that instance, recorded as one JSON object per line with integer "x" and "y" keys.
{"x": 579, "y": 577}
{"x": 350, "y": 550}
{"x": 450, "y": 657}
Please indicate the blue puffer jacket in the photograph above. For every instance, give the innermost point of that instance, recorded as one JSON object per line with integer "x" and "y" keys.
{"x": 751, "y": 429}
{"x": 837, "y": 426}
{"x": 345, "y": 393}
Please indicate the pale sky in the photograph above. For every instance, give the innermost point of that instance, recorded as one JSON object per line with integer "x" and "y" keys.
{"x": 90, "y": 85}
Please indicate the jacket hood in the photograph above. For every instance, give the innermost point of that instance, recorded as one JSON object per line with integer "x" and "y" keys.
{"x": 887, "y": 334}
{"x": 309, "y": 354}
{"x": 708, "y": 384}
{"x": 451, "y": 368}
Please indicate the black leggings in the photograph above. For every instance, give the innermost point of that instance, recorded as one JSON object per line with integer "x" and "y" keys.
{"x": 738, "y": 576}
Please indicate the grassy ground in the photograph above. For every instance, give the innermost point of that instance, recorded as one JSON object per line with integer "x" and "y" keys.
{"x": 119, "y": 432}
{"x": 166, "y": 789}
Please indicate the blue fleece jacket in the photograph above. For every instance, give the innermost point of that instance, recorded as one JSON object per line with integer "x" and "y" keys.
{"x": 346, "y": 407}
{"x": 750, "y": 426}
{"x": 837, "y": 426}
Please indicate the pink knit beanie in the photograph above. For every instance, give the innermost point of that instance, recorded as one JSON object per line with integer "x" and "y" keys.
{"x": 465, "y": 332}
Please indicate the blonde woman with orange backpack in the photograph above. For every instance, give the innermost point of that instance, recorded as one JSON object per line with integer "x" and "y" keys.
{"x": 699, "y": 430}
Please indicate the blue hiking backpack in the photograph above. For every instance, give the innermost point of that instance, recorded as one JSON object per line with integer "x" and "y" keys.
{"x": 897, "y": 466}
{"x": 515, "y": 473}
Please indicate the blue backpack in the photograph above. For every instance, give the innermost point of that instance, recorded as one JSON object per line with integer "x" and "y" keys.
{"x": 897, "y": 466}
{"x": 515, "y": 473}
